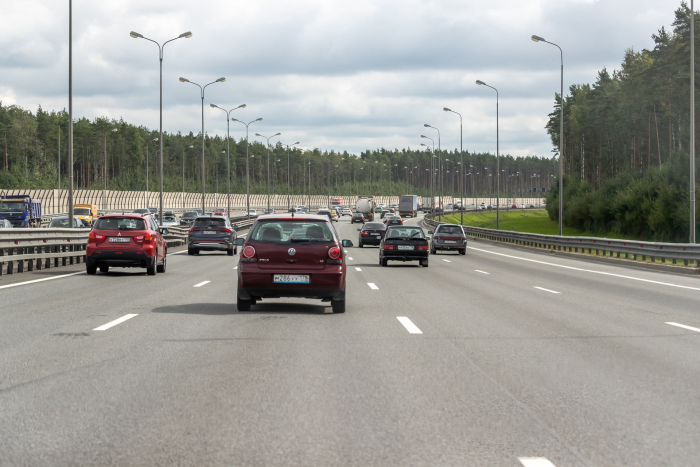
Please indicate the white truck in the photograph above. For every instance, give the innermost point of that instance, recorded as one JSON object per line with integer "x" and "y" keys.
{"x": 366, "y": 205}
{"x": 431, "y": 203}
{"x": 408, "y": 206}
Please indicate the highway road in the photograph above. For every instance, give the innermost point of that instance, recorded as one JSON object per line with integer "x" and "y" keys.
{"x": 502, "y": 357}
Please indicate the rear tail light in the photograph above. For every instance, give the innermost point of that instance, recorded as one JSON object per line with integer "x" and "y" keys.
{"x": 422, "y": 247}
{"x": 148, "y": 238}
{"x": 334, "y": 253}
{"x": 364, "y": 234}
{"x": 389, "y": 247}
{"x": 226, "y": 230}
{"x": 139, "y": 238}
{"x": 94, "y": 236}
{"x": 193, "y": 229}
{"x": 248, "y": 255}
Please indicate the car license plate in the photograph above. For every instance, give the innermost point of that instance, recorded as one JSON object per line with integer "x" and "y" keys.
{"x": 450, "y": 241}
{"x": 405, "y": 247}
{"x": 119, "y": 240}
{"x": 291, "y": 278}
{"x": 209, "y": 232}
{"x": 375, "y": 235}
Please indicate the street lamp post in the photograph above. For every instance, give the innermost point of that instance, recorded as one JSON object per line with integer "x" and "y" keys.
{"x": 692, "y": 123}
{"x": 461, "y": 159}
{"x": 268, "y": 163}
{"x": 183, "y": 174}
{"x": 247, "y": 163}
{"x": 136, "y": 35}
{"x": 59, "y": 149}
{"x": 201, "y": 91}
{"x": 288, "y": 197}
{"x": 561, "y": 129}
{"x": 498, "y": 162}
{"x": 148, "y": 167}
{"x": 228, "y": 152}
{"x": 432, "y": 174}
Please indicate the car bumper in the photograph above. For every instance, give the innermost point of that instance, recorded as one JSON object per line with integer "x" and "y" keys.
{"x": 370, "y": 240}
{"x": 415, "y": 255}
{"x": 124, "y": 259}
{"x": 328, "y": 283}
{"x": 210, "y": 245}
{"x": 449, "y": 246}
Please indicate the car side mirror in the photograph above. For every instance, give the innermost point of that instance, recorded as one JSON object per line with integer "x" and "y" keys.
{"x": 359, "y": 230}
{"x": 347, "y": 244}
{"x": 430, "y": 232}
{"x": 239, "y": 241}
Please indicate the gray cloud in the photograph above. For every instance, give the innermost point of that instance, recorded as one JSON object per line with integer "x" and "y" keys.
{"x": 334, "y": 74}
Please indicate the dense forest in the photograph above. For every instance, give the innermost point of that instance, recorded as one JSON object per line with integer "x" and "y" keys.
{"x": 30, "y": 159}
{"x": 626, "y": 142}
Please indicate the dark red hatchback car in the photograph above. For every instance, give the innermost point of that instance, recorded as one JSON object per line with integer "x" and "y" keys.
{"x": 127, "y": 241}
{"x": 292, "y": 255}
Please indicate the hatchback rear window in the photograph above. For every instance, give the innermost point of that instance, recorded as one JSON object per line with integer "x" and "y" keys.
{"x": 121, "y": 223}
{"x": 405, "y": 232}
{"x": 169, "y": 219}
{"x": 291, "y": 231}
{"x": 374, "y": 226}
{"x": 449, "y": 229}
{"x": 190, "y": 214}
{"x": 210, "y": 222}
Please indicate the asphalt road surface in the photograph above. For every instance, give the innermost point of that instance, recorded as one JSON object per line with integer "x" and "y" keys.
{"x": 502, "y": 357}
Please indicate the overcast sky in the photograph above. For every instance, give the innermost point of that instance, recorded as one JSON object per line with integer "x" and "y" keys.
{"x": 345, "y": 75}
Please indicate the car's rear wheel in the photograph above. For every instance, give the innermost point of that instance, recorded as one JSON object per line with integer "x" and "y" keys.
{"x": 463, "y": 252}
{"x": 104, "y": 269}
{"x": 190, "y": 251}
{"x": 383, "y": 262}
{"x": 161, "y": 268}
{"x": 242, "y": 305}
{"x": 424, "y": 263}
{"x": 339, "y": 304}
{"x": 91, "y": 268}
{"x": 152, "y": 270}
{"x": 360, "y": 245}
{"x": 229, "y": 252}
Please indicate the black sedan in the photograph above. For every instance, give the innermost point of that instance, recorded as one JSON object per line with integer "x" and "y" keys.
{"x": 404, "y": 243}
{"x": 188, "y": 217}
{"x": 357, "y": 217}
{"x": 211, "y": 234}
{"x": 371, "y": 234}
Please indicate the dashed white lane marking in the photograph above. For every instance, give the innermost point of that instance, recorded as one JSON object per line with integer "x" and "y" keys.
{"x": 236, "y": 267}
{"x": 104, "y": 327}
{"x": 689, "y": 328}
{"x": 372, "y": 286}
{"x": 350, "y": 258}
{"x": 586, "y": 270}
{"x": 41, "y": 280}
{"x": 546, "y": 290}
{"x": 358, "y": 269}
{"x": 447, "y": 260}
{"x": 408, "y": 324}
{"x": 201, "y": 284}
{"x": 177, "y": 253}
{"x": 535, "y": 462}
{"x": 482, "y": 272}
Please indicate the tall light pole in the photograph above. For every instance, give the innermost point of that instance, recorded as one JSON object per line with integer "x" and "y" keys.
{"x": 692, "y": 123}
{"x": 183, "y": 174}
{"x": 148, "y": 167}
{"x": 136, "y": 35}
{"x": 70, "y": 113}
{"x": 439, "y": 166}
{"x": 561, "y": 130}
{"x": 247, "y": 163}
{"x": 268, "y": 163}
{"x": 432, "y": 174}
{"x": 498, "y": 161}
{"x": 201, "y": 91}
{"x": 228, "y": 152}
{"x": 461, "y": 162}
{"x": 104, "y": 172}
{"x": 288, "y": 199}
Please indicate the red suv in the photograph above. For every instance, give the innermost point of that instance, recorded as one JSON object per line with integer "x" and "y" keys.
{"x": 295, "y": 255}
{"x": 127, "y": 241}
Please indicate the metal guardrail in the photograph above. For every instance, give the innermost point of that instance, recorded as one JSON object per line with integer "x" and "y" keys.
{"x": 601, "y": 246}
{"x": 41, "y": 248}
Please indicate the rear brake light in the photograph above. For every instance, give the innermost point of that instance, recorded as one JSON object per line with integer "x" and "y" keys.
{"x": 389, "y": 247}
{"x": 139, "y": 238}
{"x": 248, "y": 252}
{"x": 334, "y": 253}
{"x": 422, "y": 247}
{"x": 364, "y": 234}
{"x": 148, "y": 238}
{"x": 226, "y": 230}
{"x": 193, "y": 229}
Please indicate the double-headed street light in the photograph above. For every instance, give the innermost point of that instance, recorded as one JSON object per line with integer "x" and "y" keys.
{"x": 183, "y": 174}
{"x": 201, "y": 91}
{"x": 247, "y": 163}
{"x": 498, "y": 170}
{"x": 268, "y": 163}
{"x": 432, "y": 174}
{"x": 228, "y": 152}
{"x": 288, "y": 201}
{"x": 104, "y": 172}
{"x": 461, "y": 158}
{"x": 439, "y": 167}
{"x": 136, "y": 35}
{"x": 561, "y": 131}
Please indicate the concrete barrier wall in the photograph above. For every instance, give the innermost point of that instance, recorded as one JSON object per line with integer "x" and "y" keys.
{"x": 56, "y": 201}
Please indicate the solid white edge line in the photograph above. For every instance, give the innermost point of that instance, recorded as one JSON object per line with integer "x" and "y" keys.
{"x": 546, "y": 290}
{"x": 482, "y": 272}
{"x": 408, "y": 324}
{"x": 104, "y": 327}
{"x": 372, "y": 286}
{"x": 689, "y": 328}
{"x": 177, "y": 253}
{"x": 201, "y": 284}
{"x": 586, "y": 270}
{"x": 358, "y": 269}
{"x": 535, "y": 462}
{"x": 40, "y": 280}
